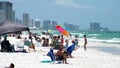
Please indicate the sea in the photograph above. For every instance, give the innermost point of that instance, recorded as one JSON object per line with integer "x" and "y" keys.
{"x": 112, "y": 37}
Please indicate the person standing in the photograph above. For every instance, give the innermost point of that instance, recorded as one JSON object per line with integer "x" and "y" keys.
{"x": 76, "y": 40}
{"x": 85, "y": 42}
{"x": 62, "y": 40}
{"x": 66, "y": 43}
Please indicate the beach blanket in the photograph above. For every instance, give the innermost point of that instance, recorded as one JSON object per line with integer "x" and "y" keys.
{"x": 46, "y": 61}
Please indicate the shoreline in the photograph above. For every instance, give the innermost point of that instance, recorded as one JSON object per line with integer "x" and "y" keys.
{"x": 104, "y": 47}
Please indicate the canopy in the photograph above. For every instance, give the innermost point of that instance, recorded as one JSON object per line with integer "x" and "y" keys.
{"x": 9, "y": 27}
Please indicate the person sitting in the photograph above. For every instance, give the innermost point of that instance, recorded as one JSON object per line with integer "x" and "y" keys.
{"x": 6, "y": 46}
{"x": 45, "y": 42}
{"x": 61, "y": 55}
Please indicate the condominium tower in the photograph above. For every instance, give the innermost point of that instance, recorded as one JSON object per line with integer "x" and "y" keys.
{"x": 7, "y": 7}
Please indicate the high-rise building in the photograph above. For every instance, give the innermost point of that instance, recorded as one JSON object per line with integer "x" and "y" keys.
{"x": 37, "y": 23}
{"x": 54, "y": 23}
{"x": 26, "y": 19}
{"x": 18, "y": 21}
{"x": 7, "y": 7}
{"x": 13, "y": 16}
{"x": 69, "y": 26}
{"x": 46, "y": 24}
{"x": 95, "y": 26}
{"x": 31, "y": 23}
{"x": 2, "y": 15}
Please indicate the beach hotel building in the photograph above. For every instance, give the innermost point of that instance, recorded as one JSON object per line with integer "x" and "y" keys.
{"x": 26, "y": 19}
{"x": 54, "y": 23}
{"x": 6, "y": 9}
{"x": 37, "y": 23}
{"x": 46, "y": 24}
{"x": 95, "y": 26}
{"x": 2, "y": 15}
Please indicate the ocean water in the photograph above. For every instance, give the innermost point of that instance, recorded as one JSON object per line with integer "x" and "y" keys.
{"x": 105, "y": 37}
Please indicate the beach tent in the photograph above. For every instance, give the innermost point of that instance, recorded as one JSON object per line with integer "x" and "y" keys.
{"x": 7, "y": 27}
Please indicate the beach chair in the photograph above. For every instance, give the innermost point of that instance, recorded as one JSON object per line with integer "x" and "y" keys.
{"x": 53, "y": 57}
{"x": 20, "y": 46}
{"x": 70, "y": 49}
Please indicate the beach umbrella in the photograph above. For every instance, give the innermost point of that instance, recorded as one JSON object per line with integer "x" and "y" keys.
{"x": 62, "y": 30}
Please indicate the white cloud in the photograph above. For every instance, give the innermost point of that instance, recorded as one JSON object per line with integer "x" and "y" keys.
{"x": 72, "y": 4}
{"x": 66, "y": 3}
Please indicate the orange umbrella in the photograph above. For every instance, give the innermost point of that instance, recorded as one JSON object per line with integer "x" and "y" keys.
{"x": 62, "y": 30}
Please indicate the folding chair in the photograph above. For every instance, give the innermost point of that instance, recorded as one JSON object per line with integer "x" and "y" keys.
{"x": 70, "y": 49}
{"x": 53, "y": 57}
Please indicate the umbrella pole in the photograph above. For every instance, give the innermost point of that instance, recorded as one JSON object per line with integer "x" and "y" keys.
{"x": 33, "y": 46}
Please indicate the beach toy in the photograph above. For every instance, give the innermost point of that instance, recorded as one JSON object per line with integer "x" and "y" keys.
{"x": 62, "y": 30}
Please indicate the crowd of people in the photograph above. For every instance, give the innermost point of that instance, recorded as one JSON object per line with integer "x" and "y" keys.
{"x": 64, "y": 49}
{"x": 57, "y": 42}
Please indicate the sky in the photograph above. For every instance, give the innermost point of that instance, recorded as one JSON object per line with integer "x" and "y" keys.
{"x": 78, "y": 12}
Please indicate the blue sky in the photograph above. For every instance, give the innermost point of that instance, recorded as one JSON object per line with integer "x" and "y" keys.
{"x": 79, "y": 12}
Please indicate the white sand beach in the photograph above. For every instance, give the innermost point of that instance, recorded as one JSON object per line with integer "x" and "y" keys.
{"x": 98, "y": 55}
